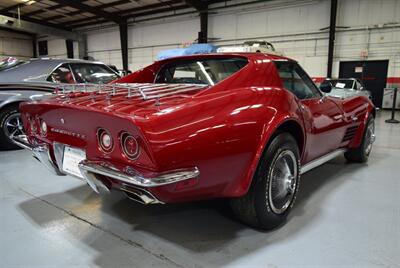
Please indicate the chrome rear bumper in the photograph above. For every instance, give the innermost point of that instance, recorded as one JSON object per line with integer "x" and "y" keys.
{"x": 131, "y": 182}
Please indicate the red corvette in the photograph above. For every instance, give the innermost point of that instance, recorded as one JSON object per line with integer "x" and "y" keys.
{"x": 241, "y": 126}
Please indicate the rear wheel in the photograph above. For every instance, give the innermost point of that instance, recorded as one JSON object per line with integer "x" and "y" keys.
{"x": 10, "y": 125}
{"x": 274, "y": 187}
{"x": 362, "y": 152}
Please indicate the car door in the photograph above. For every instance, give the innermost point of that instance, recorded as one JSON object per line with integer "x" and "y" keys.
{"x": 323, "y": 119}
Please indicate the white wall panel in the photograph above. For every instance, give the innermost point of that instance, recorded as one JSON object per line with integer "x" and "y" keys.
{"x": 293, "y": 26}
{"x": 15, "y": 45}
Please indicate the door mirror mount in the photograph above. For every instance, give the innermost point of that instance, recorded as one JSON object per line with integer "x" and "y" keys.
{"x": 325, "y": 87}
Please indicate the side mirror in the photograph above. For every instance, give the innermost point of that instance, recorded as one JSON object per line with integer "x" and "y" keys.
{"x": 325, "y": 87}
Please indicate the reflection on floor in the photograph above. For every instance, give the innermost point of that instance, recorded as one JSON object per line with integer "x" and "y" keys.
{"x": 346, "y": 214}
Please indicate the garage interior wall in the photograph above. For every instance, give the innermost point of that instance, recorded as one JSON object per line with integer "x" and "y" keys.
{"x": 56, "y": 47}
{"x": 15, "y": 45}
{"x": 293, "y": 26}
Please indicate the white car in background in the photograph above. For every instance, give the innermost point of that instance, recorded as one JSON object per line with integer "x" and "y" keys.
{"x": 251, "y": 46}
{"x": 347, "y": 87}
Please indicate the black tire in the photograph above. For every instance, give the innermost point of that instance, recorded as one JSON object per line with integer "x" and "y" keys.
{"x": 257, "y": 207}
{"x": 362, "y": 152}
{"x": 5, "y": 114}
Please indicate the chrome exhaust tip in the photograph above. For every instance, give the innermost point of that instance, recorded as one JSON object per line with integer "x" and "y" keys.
{"x": 140, "y": 195}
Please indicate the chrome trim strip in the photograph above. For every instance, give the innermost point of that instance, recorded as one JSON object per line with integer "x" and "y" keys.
{"x": 146, "y": 91}
{"x": 321, "y": 160}
{"x": 102, "y": 168}
{"x": 42, "y": 154}
{"x": 22, "y": 141}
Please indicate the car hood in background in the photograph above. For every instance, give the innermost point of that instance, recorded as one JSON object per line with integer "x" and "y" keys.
{"x": 344, "y": 93}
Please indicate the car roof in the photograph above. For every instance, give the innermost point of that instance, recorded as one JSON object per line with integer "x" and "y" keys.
{"x": 248, "y": 55}
{"x": 36, "y": 70}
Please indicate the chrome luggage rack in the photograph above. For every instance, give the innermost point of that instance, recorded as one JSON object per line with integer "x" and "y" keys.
{"x": 146, "y": 91}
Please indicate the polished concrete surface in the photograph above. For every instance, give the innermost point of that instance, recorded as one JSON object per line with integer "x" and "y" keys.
{"x": 345, "y": 215}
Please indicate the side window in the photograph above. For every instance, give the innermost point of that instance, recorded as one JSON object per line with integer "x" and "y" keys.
{"x": 62, "y": 74}
{"x": 296, "y": 80}
{"x": 358, "y": 85}
{"x": 93, "y": 73}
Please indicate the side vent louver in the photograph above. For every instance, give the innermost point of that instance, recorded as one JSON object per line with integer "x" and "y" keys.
{"x": 350, "y": 133}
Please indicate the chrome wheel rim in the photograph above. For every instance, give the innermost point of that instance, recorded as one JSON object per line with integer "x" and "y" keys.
{"x": 369, "y": 137}
{"x": 13, "y": 125}
{"x": 283, "y": 181}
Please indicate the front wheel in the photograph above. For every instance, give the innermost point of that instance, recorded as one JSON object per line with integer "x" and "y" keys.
{"x": 10, "y": 125}
{"x": 274, "y": 187}
{"x": 362, "y": 152}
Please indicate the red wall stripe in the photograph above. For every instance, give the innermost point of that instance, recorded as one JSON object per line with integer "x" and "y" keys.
{"x": 389, "y": 80}
{"x": 393, "y": 80}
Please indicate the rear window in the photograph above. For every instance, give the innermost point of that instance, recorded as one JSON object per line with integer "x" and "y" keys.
{"x": 202, "y": 71}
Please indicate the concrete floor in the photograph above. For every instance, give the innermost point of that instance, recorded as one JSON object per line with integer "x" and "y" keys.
{"x": 346, "y": 214}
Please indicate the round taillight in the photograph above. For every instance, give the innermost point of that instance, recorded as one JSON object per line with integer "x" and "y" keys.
{"x": 105, "y": 140}
{"x": 43, "y": 128}
{"x": 129, "y": 145}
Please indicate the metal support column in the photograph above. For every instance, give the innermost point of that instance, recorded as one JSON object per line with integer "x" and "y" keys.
{"x": 332, "y": 31}
{"x": 34, "y": 46}
{"x": 203, "y": 34}
{"x": 70, "y": 48}
{"x": 123, "y": 32}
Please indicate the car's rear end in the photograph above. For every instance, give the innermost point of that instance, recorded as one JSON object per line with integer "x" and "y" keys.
{"x": 180, "y": 130}
{"x": 95, "y": 137}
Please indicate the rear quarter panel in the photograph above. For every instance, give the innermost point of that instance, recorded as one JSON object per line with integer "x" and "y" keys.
{"x": 222, "y": 134}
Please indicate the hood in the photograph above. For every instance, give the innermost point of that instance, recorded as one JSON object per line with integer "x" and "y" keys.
{"x": 342, "y": 93}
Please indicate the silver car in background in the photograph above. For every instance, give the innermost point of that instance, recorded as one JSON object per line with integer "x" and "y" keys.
{"x": 347, "y": 87}
{"x": 32, "y": 79}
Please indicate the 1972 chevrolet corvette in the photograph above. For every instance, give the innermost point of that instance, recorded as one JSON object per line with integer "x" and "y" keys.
{"x": 242, "y": 126}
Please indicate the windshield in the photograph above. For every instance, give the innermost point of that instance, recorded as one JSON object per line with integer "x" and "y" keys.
{"x": 93, "y": 73}
{"x": 8, "y": 63}
{"x": 202, "y": 71}
{"x": 340, "y": 83}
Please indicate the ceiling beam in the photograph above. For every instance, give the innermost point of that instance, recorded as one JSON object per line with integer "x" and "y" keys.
{"x": 167, "y": 6}
{"x": 33, "y": 20}
{"x": 10, "y": 8}
{"x": 36, "y": 28}
{"x": 141, "y": 14}
{"x": 2, "y": 28}
{"x": 85, "y": 8}
{"x": 42, "y": 10}
{"x": 131, "y": 11}
{"x": 197, "y": 4}
{"x": 152, "y": 6}
{"x": 103, "y": 6}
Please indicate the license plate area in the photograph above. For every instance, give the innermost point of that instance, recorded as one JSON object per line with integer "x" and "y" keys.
{"x": 71, "y": 159}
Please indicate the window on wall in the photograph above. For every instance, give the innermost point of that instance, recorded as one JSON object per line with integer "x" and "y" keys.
{"x": 42, "y": 46}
